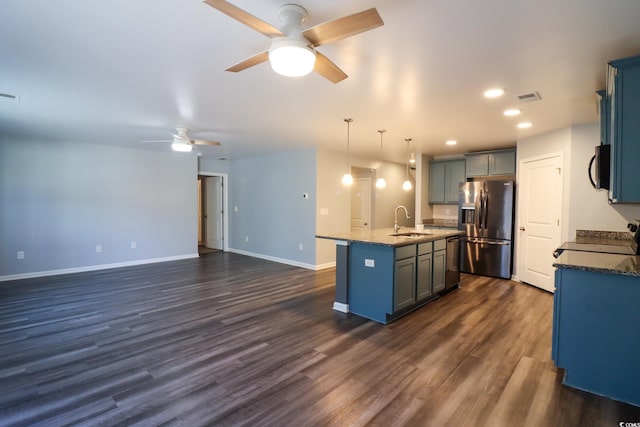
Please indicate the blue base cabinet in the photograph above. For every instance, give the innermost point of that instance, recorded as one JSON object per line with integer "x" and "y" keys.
{"x": 596, "y": 333}
{"x": 385, "y": 282}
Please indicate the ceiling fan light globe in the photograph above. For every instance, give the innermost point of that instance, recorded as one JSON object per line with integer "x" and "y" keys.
{"x": 347, "y": 179}
{"x": 291, "y": 57}
{"x": 406, "y": 186}
{"x": 181, "y": 146}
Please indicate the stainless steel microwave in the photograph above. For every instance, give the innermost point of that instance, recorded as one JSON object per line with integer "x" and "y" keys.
{"x": 602, "y": 162}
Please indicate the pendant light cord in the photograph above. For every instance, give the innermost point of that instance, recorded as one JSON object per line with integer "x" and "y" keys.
{"x": 408, "y": 142}
{"x": 349, "y": 120}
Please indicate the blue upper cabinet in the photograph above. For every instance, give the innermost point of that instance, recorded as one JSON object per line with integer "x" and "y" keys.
{"x": 491, "y": 163}
{"x": 444, "y": 181}
{"x": 623, "y": 97}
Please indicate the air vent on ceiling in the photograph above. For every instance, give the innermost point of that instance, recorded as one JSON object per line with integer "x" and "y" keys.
{"x": 9, "y": 97}
{"x": 529, "y": 97}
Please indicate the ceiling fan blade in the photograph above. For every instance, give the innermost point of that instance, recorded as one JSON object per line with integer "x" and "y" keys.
{"x": 205, "y": 142}
{"x": 343, "y": 27}
{"x": 250, "y": 62}
{"x": 245, "y": 18}
{"x": 328, "y": 69}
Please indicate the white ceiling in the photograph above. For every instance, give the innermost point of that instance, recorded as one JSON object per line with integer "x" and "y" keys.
{"x": 120, "y": 71}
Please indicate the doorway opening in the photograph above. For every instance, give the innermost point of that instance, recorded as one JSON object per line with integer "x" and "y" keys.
{"x": 212, "y": 213}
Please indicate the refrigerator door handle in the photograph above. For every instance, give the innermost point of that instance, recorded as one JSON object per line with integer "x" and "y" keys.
{"x": 480, "y": 210}
{"x": 484, "y": 209}
{"x": 478, "y": 206}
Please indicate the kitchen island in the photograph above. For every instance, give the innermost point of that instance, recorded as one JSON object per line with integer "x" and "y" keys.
{"x": 596, "y": 321}
{"x": 383, "y": 275}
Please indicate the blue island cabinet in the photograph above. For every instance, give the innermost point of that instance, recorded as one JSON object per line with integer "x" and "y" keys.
{"x": 386, "y": 282}
{"x": 596, "y": 332}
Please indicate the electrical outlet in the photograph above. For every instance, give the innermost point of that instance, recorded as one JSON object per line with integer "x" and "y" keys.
{"x": 300, "y": 246}
{"x": 20, "y": 254}
{"x": 235, "y": 209}
{"x": 98, "y": 248}
{"x": 134, "y": 245}
{"x": 246, "y": 238}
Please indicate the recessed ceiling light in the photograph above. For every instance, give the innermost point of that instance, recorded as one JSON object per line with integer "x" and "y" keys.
{"x": 493, "y": 93}
{"x": 451, "y": 142}
{"x": 524, "y": 125}
{"x": 511, "y": 112}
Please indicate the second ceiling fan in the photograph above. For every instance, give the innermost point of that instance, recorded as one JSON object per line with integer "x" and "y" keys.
{"x": 292, "y": 50}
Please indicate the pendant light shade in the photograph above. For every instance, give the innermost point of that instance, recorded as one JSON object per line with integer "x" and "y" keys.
{"x": 291, "y": 57}
{"x": 179, "y": 145}
{"x": 406, "y": 185}
{"x": 380, "y": 182}
{"x": 347, "y": 179}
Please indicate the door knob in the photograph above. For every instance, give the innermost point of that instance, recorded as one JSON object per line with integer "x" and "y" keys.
{"x": 521, "y": 228}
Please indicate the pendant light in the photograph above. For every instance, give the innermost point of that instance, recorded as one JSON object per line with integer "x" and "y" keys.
{"x": 380, "y": 182}
{"x": 406, "y": 185}
{"x": 347, "y": 179}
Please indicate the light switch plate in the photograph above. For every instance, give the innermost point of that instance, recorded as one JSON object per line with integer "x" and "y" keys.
{"x": 369, "y": 263}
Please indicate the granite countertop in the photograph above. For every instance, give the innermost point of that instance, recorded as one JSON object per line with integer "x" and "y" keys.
{"x": 383, "y": 236}
{"x": 628, "y": 265}
{"x": 440, "y": 222}
{"x": 601, "y": 251}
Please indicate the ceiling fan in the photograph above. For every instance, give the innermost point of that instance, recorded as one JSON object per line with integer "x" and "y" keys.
{"x": 182, "y": 142}
{"x": 292, "y": 51}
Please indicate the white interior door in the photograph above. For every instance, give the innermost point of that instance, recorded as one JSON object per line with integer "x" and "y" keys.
{"x": 214, "y": 229}
{"x": 361, "y": 204}
{"x": 539, "y": 216}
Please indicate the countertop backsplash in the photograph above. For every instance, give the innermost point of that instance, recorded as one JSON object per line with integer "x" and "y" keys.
{"x": 602, "y": 235}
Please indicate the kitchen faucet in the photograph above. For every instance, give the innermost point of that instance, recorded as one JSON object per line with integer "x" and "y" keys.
{"x": 396, "y": 227}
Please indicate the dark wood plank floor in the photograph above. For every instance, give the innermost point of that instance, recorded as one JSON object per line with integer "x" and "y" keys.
{"x": 232, "y": 340}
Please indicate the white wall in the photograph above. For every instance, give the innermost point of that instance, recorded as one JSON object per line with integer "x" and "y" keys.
{"x": 59, "y": 200}
{"x": 558, "y": 141}
{"x": 273, "y": 218}
{"x": 336, "y": 198}
{"x": 583, "y": 207}
{"x": 589, "y": 208}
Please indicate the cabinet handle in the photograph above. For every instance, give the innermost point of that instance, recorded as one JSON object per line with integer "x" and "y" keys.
{"x": 521, "y": 228}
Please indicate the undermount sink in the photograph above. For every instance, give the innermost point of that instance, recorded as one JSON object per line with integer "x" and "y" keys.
{"x": 412, "y": 234}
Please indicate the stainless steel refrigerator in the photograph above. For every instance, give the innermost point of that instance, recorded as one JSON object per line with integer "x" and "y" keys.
{"x": 485, "y": 215}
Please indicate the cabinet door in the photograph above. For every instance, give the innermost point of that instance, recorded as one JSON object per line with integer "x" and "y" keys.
{"x": 455, "y": 174}
{"x": 502, "y": 163}
{"x": 424, "y": 282}
{"x": 625, "y": 131}
{"x": 439, "y": 270}
{"x": 404, "y": 284}
{"x": 477, "y": 165}
{"x": 437, "y": 182}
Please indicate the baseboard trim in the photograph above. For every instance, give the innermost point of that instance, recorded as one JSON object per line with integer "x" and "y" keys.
{"x": 274, "y": 259}
{"x": 325, "y": 266}
{"x": 341, "y": 307}
{"x": 97, "y": 267}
